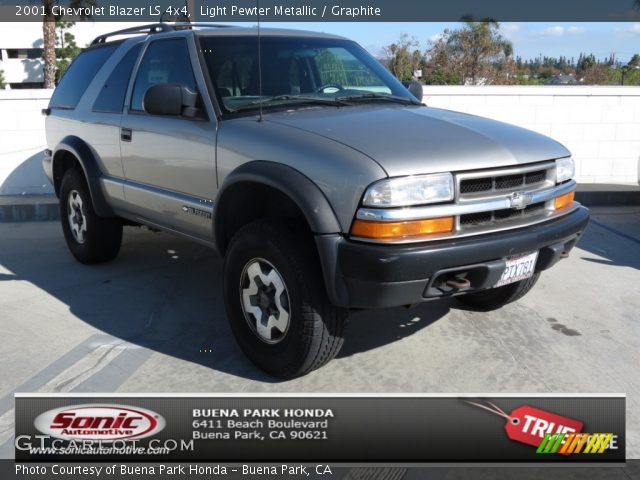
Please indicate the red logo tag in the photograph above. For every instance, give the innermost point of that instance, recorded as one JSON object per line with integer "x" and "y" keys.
{"x": 529, "y": 425}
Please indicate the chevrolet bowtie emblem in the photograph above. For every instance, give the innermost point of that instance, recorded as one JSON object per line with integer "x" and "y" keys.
{"x": 520, "y": 200}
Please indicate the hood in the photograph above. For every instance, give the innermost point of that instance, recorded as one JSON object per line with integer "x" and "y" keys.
{"x": 408, "y": 140}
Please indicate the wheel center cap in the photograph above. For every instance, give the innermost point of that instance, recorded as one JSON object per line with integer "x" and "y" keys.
{"x": 264, "y": 301}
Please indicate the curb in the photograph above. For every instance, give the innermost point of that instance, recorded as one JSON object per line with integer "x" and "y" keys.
{"x": 607, "y": 195}
{"x": 30, "y": 208}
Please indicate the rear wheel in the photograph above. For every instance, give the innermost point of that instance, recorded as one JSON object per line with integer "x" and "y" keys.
{"x": 495, "y": 298}
{"x": 276, "y": 300}
{"x": 90, "y": 238}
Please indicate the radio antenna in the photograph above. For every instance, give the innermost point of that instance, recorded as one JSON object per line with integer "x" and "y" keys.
{"x": 259, "y": 63}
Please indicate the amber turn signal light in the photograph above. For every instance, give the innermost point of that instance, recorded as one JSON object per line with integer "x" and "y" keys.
{"x": 564, "y": 201}
{"x": 390, "y": 231}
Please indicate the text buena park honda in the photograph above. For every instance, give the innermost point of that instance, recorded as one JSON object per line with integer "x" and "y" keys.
{"x": 162, "y": 469}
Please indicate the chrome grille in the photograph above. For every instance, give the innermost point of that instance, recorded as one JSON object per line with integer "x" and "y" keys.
{"x": 494, "y": 183}
{"x": 488, "y": 183}
{"x": 497, "y": 216}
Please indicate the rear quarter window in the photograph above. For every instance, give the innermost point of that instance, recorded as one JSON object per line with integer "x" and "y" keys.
{"x": 78, "y": 77}
{"x": 111, "y": 97}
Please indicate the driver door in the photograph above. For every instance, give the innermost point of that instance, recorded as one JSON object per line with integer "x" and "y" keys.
{"x": 169, "y": 161}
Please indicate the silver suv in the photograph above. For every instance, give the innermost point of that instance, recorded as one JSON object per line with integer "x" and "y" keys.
{"x": 323, "y": 181}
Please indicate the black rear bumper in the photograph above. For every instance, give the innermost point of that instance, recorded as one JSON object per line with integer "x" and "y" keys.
{"x": 362, "y": 275}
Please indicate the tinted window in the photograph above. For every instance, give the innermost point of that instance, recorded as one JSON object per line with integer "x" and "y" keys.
{"x": 79, "y": 75}
{"x": 165, "y": 61}
{"x": 111, "y": 97}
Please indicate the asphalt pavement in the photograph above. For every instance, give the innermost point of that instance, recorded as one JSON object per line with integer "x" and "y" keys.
{"x": 153, "y": 320}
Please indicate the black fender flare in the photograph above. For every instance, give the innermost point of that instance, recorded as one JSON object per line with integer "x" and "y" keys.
{"x": 300, "y": 189}
{"x": 87, "y": 159}
{"x": 310, "y": 200}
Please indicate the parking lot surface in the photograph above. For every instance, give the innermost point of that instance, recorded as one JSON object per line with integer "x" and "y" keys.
{"x": 153, "y": 320}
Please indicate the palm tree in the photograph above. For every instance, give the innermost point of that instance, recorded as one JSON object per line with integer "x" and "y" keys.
{"x": 49, "y": 38}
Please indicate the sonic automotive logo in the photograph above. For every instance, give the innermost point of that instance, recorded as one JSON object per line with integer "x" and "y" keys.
{"x": 105, "y": 423}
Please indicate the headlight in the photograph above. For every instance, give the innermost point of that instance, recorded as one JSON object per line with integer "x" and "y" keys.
{"x": 565, "y": 169}
{"x": 413, "y": 190}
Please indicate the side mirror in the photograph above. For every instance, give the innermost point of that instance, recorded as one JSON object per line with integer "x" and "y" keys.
{"x": 170, "y": 99}
{"x": 415, "y": 88}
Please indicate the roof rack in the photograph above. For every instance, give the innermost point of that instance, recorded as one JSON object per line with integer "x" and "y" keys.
{"x": 156, "y": 28}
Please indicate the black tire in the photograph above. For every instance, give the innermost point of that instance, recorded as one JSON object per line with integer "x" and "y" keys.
{"x": 314, "y": 332}
{"x": 495, "y": 298}
{"x": 101, "y": 237}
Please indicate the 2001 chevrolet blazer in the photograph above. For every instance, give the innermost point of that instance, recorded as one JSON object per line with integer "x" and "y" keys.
{"x": 324, "y": 182}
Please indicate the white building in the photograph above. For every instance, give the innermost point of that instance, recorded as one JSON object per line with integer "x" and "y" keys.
{"x": 21, "y": 49}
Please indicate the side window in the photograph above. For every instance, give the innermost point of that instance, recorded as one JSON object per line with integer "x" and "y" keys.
{"x": 78, "y": 77}
{"x": 111, "y": 97}
{"x": 165, "y": 61}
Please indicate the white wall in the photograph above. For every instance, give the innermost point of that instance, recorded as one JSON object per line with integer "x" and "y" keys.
{"x": 19, "y": 70}
{"x": 22, "y": 141}
{"x": 600, "y": 125}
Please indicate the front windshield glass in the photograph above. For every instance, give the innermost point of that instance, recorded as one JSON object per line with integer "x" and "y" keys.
{"x": 296, "y": 72}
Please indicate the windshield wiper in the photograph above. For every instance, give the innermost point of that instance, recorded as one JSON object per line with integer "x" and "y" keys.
{"x": 379, "y": 96}
{"x": 297, "y": 98}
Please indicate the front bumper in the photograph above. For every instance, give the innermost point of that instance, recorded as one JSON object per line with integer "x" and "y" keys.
{"x": 362, "y": 275}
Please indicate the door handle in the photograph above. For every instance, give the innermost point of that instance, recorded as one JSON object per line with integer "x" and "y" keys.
{"x": 125, "y": 134}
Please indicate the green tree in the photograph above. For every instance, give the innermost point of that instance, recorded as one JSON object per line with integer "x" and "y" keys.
{"x": 586, "y": 62}
{"x": 441, "y": 67}
{"x": 67, "y": 48}
{"x": 599, "y": 74}
{"x": 404, "y": 57}
{"x": 480, "y": 50}
{"x": 2, "y": 84}
{"x": 635, "y": 61}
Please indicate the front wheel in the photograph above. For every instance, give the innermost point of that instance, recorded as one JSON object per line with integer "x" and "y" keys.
{"x": 90, "y": 238}
{"x": 276, "y": 300}
{"x": 495, "y": 298}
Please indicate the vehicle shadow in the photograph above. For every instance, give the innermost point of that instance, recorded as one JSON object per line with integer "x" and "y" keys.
{"x": 611, "y": 242}
{"x": 28, "y": 175}
{"x": 165, "y": 294}
{"x": 370, "y": 329}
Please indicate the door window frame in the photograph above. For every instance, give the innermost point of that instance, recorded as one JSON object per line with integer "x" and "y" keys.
{"x": 208, "y": 112}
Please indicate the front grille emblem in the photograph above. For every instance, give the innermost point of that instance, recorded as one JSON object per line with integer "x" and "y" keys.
{"x": 519, "y": 200}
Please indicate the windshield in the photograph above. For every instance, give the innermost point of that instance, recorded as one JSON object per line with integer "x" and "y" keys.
{"x": 296, "y": 72}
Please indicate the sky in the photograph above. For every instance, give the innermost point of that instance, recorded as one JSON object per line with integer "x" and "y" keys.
{"x": 530, "y": 40}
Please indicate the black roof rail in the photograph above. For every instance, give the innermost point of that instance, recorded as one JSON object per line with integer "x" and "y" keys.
{"x": 156, "y": 28}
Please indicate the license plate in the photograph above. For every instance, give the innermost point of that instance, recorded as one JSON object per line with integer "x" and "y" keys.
{"x": 518, "y": 268}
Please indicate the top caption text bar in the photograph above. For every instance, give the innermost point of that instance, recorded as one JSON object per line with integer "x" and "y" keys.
{"x": 327, "y": 10}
